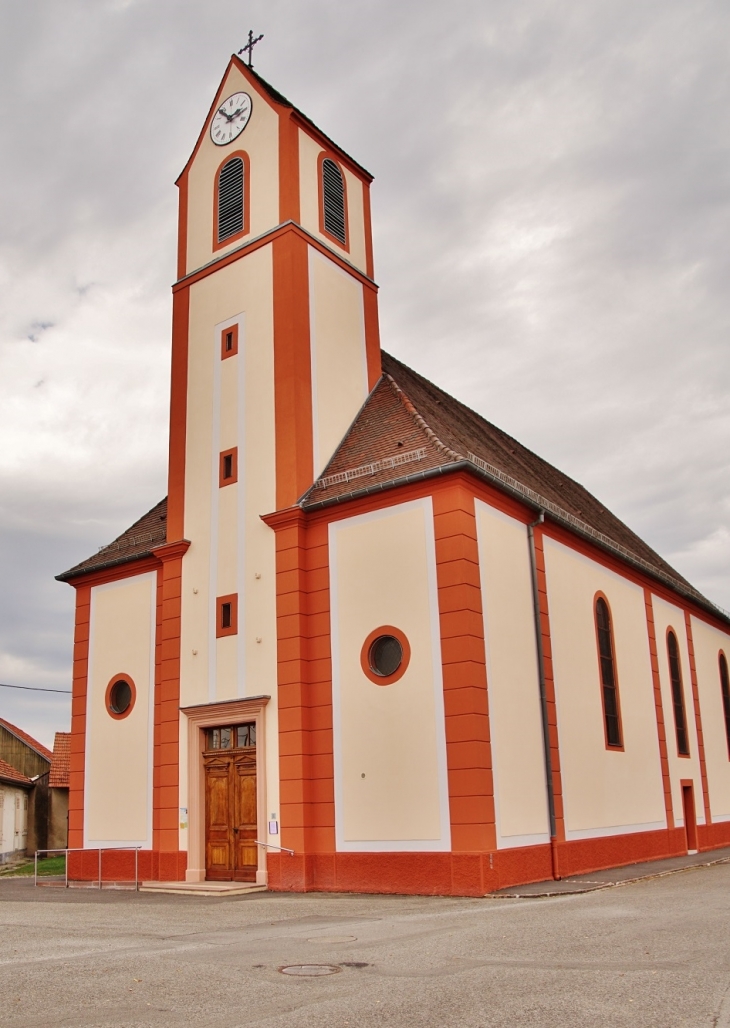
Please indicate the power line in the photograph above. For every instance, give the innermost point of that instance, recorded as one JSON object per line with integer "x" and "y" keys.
{"x": 33, "y": 688}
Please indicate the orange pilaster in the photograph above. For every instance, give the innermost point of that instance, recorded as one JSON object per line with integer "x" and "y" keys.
{"x": 468, "y": 746}
{"x": 292, "y": 370}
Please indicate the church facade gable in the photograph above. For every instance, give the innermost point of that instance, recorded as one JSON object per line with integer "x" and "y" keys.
{"x": 358, "y": 645}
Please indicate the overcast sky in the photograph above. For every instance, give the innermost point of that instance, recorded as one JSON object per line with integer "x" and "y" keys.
{"x": 551, "y": 229}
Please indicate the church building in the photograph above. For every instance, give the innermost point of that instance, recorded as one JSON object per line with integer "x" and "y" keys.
{"x": 368, "y": 642}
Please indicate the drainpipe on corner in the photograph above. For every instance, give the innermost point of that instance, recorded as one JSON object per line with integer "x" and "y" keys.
{"x": 543, "y": 697}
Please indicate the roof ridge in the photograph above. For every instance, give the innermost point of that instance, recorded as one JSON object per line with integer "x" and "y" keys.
{"x": 419, "y": 419}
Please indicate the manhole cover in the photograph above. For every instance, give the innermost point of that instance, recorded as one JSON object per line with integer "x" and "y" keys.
{"x": 309, "y": 970}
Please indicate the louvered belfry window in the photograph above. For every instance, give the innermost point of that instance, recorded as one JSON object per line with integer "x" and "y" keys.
{"x": 230, "y": 199}
{"x": 608, "y": 673}
{"x": 333, "y": 200}
{"x": 675, "y": 674}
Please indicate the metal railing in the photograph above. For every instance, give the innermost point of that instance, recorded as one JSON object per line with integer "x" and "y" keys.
{"x": 106, "y": 849}
{"x": 271, "y": 846}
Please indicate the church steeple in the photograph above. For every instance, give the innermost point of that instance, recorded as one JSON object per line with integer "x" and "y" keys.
{"x": 265, "y": 187}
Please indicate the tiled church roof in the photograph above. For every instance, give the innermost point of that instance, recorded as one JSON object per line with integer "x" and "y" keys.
{"x": 409, "y": 428}
{"x": 137, "y": 541}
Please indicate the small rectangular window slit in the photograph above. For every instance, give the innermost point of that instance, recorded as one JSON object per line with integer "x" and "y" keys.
{"x": 226, "y": 615}
{"x": 228, "y": 467}
{"x": 229, "y": 341}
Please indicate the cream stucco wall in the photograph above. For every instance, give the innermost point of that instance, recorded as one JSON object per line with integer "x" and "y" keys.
{"x": 231, "y": 403}
{"x": 309, "y": 151}
{"x": 390, "y": 752}
{"x": 605, "y": 791}
{"x": 708, "y": 642}
{"x": 339, "y": 365}
{"x": 118, "y": 782}
{"x": 512, "y": 680}
{"x": 666, "y": 615}
{"x": 260, "y": 140}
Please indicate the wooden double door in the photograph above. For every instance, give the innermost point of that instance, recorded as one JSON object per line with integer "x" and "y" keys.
{"x": 231, "y": 853}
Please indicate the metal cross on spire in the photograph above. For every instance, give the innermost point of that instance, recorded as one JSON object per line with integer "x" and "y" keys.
{"x": 249, "y": 46}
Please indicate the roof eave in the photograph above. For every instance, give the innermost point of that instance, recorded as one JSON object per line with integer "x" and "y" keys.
{"x": 80, "y": 572}
{"x": 539, "y": 505}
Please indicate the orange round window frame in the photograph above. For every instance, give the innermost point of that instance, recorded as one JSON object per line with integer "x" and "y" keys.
{"x": 109, "y": 699}
{"x": 367, "y": 646}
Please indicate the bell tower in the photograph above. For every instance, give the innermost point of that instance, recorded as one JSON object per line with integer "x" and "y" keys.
{"x": 275, "y": 349}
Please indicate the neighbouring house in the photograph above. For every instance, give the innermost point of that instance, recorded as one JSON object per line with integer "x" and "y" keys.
{"x": 45, "y": 777}
{"x": 14, "y": 790}
{"x": 58, "y": 792}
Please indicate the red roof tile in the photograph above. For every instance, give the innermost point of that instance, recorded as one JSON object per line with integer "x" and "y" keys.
{"x": 137, "y": 541}
{"x": 39, "y": 748}
{"x": 9, "y": 774}
{"x": 409, "y": 426}
{"x": 61, "y": 762}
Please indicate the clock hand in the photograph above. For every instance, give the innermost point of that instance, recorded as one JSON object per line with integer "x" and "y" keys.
{"x": 225, "y": 114}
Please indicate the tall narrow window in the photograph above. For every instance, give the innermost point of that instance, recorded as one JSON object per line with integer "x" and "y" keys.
{"x": 675, "y": 674}
{"x": 333, "y": 201}
{"x": 611, "y": 714}
{"x": 230, "y": 199}
{"x": 725, "y": 686}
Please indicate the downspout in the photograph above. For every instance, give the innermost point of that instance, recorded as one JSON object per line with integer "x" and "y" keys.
{"x": 543, "y": 697}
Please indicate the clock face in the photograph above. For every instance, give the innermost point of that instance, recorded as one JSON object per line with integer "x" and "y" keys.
{"x": 230, "y": 119}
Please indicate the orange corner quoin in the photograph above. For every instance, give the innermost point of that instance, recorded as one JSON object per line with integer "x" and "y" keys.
{"x": 361, "y": 668}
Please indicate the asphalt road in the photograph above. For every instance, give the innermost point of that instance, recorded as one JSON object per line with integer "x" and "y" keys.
{"x": 654, "y": 954}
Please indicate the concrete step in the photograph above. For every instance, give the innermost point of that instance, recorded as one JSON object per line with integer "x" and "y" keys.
{"x": 202, "y": 888}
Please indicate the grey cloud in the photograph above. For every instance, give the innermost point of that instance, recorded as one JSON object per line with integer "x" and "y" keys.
{"x": 551, "y": 222}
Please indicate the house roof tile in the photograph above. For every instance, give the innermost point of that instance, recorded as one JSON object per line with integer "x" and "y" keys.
{"x": 61, "y": 761}
{"x": 11, "y": 776}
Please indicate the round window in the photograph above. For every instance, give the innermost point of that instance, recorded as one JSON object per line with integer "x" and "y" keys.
{"x": 120, "y": 696}
{"x": 385, "y": 656}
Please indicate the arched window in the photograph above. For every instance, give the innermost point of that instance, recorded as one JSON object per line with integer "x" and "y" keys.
{"x": 230, "y": 199}
{"x": 333, "y": 201}
{"x": 725, "y": 686}
{"x": 611, "y": 712}
{"x": 675, "y": 674}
